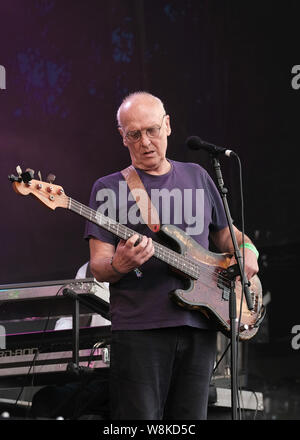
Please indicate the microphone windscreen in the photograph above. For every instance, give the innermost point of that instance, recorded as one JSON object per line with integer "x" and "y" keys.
{"x": 194, "y": 143}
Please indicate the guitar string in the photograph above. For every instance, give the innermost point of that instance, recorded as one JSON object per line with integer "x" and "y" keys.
{"x": 160, "y": 250}
{"x": 124, "y": 232}
{"x": 206, "y": 272}
{"x": 166, "y": 252}
{"x": 197, "y": 269}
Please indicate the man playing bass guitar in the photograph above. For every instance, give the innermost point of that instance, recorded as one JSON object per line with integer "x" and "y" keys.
{"x": 162, "y": 355}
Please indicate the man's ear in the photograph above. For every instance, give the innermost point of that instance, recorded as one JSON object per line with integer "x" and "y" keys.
{"x": 168, "y": 125}
{"x": 123, "y": 137}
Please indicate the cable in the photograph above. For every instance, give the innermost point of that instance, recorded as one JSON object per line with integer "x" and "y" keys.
{"x": 35, "y": 355}
{"x": 257, "y": 404}
{"x": 220, "y": 360}
{"x": 99, "y": 344}
{"x": 242, "y": 281}
{"x": 85, "y": 377}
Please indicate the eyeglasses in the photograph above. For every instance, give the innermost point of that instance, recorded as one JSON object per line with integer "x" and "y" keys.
{"x": 151, "y": 132}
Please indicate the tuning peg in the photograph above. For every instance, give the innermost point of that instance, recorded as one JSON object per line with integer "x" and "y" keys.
{"x": 50, "y": 178}
{"x": 30, "y": 171}
{"x": 40, "y": 175}
{"x": 27, "y": 176}
{"x": 14, "y": 178}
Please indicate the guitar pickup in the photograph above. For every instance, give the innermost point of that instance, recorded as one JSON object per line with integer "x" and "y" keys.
{"x": 226, "y": 293}
{"x": 224, "y": 284}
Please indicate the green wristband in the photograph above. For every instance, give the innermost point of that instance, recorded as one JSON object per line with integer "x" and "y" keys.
{"x": 252, "y": 247}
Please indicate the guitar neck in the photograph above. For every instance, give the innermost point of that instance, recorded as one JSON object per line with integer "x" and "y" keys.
{"x": 172, "y": 258}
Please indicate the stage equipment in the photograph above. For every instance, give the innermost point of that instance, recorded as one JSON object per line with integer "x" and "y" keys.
{"x": 35, "y": 351}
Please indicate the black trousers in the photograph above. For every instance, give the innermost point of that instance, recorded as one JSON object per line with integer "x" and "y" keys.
{"x": 161, "y": 373}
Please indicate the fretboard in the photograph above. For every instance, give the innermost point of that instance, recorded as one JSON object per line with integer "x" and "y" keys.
{"x": 172, "y": 258}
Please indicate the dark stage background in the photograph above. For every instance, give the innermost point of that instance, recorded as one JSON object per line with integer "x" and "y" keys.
{"x": 224, "y": 72}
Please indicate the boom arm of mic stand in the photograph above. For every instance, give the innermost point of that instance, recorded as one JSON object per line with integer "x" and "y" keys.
{"x": 237, "y": 253}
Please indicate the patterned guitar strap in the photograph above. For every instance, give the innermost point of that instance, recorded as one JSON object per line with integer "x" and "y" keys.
{"x": 143, "y": 201}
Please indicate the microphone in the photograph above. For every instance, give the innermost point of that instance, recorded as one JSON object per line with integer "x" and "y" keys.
{"x": 196, "y": 143}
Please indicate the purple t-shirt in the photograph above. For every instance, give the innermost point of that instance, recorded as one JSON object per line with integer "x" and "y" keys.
{"x": 186, "y": 197}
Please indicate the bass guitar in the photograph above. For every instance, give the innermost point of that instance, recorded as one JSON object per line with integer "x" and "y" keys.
{"x": 208, "y": 281}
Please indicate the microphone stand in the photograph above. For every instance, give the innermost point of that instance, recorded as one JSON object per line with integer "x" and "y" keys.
{"x": 232, "y": 298}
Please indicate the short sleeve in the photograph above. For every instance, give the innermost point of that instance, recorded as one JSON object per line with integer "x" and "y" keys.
{"x": 92, "y": 229}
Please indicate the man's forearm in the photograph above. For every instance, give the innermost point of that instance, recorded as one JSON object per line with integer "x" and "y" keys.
{"x": 225, "y": 243}
{"x": 239, "y": 238}
{"x": 104, "y": 271}
{"x": 247, "y": 243}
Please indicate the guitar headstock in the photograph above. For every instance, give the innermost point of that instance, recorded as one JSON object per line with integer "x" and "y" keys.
{"x": 49, "y": 194}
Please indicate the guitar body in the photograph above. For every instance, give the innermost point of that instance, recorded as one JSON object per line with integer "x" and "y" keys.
{"x": 209, "y": 293}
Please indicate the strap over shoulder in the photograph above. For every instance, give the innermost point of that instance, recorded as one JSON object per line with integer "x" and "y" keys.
{"x": 138, "y": 191}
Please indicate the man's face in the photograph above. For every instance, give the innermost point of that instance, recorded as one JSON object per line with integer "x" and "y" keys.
{"x": 145, "y": 128}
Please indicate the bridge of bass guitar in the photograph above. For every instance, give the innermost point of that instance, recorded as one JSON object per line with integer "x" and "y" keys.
{"x": 210, "y": 296}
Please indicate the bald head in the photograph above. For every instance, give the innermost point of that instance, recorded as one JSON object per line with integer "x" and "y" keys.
{"x": 145, "y": 127}
{"x": 138, "y": 100}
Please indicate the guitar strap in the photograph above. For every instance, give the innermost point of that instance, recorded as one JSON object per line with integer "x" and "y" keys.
{"x": 140, "y": 195}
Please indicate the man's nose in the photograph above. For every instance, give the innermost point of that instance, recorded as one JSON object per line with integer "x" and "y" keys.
{"x": 145, "y": 140}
